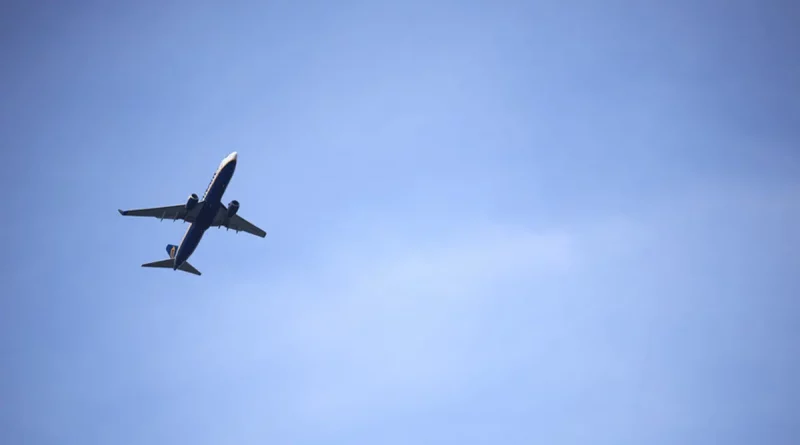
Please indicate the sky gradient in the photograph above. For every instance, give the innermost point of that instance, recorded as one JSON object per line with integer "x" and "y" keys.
{"x": 556, "y": 222}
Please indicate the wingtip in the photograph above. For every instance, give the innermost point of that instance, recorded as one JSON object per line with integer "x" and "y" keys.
{"x": 121, "y": 212}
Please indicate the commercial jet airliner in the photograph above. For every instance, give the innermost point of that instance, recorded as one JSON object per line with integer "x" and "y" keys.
{"x": 201, "y": 214}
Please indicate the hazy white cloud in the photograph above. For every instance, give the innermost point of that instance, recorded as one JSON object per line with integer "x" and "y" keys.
{"x": 399, "y": 320}
{"x": 401, "y": 326}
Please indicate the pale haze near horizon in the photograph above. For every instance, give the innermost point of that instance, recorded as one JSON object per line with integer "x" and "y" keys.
{"x": 495, "y": 222}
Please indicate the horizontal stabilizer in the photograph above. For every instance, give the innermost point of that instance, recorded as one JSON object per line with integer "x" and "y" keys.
{"x": 169, "y": 263}
{"x": 186, "y": 267}
{"x": 164, "y": 264}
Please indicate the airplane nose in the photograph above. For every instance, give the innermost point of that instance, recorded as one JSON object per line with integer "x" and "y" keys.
{"x": 234, "y": 155}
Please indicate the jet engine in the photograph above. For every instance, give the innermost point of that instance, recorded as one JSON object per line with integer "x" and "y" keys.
{"x": 191, "y": 202}
{"x": 233, "y": 207}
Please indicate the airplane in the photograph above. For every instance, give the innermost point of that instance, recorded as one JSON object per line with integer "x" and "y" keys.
{"x": 201, "y": 214}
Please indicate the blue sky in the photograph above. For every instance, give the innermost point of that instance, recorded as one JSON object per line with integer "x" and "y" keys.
{"x": 489, "y": 222}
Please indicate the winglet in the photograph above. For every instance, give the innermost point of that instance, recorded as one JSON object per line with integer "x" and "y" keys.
{"x": 122, "y": 212}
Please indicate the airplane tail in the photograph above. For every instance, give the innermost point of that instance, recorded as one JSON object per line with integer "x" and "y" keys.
{"x": 170, "y": 262}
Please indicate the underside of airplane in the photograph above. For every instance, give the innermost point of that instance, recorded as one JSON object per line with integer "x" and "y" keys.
{"x": 201, "y": 214}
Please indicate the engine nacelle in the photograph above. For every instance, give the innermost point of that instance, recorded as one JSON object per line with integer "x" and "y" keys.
{"x": 233, "y": 207}
{"x": 192, "y": 201}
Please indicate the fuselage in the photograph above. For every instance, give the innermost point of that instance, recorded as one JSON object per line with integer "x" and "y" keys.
{"x": 209, "y": 206}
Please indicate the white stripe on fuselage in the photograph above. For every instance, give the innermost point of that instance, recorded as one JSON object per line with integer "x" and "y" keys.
{"x": 228, "y": 159}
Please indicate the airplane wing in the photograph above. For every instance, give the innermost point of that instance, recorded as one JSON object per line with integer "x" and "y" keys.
{"x": 169, "y": 212}
{"x": 236, "y": 223}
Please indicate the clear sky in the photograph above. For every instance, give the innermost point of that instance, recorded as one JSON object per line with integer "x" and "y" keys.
{"x": 557, "y": 222}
